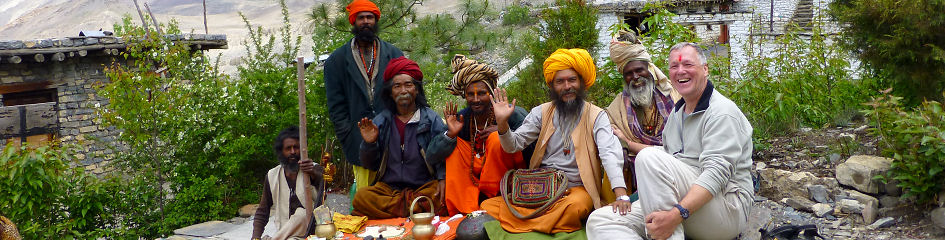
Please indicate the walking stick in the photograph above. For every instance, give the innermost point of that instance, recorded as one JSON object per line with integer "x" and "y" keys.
{"x": 303, "y": 178}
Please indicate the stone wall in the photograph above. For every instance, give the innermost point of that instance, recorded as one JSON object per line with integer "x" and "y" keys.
{"x": 75, "y": 80}
{"x": 751, "y": 25}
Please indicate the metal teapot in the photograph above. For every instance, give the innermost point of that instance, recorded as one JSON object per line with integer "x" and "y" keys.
{"x": 422, "y": 222}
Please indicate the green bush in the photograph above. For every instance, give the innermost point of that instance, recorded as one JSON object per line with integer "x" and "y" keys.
{"x": 914, "y": 139}
{"x": 48, "y": 198}
{"x": 805, "y": 81}
{"x": 572, "y": 25}
{"x": 518, "y": 15}
{"x": 901, "y": 38}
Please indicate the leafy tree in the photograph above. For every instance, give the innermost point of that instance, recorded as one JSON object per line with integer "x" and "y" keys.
{"x": 902, "y": 38}
{"x": 573, "y": 24}
{"x": 430, "y": 40}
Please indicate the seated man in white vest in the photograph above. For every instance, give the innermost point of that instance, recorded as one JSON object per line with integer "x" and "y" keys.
{"x": 570, "y": 135}
{"x": 698, "y": 184}
{"x": 280, "y": 190}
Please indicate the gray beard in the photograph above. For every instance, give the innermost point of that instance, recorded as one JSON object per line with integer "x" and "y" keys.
{"x": 642, "y": 96}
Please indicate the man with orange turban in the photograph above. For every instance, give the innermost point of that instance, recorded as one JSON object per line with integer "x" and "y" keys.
{"x": 353, "y": 82}
{"x": 571, "y": 136}
{"x": 405, "y": 144}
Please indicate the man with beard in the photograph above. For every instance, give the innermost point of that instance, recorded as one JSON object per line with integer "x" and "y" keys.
{"x": 572, "y": 136}
{"x": 280, "y": 190}
{"x": 353, "y": 82}
{"x": 639, "y": 113}
{"x": 698, "y": 184}
{"x": 405, "y": 144}
{"x": 477, "y": 164}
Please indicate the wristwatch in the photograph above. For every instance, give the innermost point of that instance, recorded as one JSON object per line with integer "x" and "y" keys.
{"x": 623, "y": 198}
{"x": 682, "y": 211}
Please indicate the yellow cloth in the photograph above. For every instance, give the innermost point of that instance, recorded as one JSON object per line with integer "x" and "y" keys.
{"x": 575, "y": 58}
{"x": 348, "y": 223}
{"x": 467, "y": 71}
{"x": 363, "y": 177}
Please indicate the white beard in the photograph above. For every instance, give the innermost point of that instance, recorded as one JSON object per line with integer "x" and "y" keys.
{"x": 641, "y": 96}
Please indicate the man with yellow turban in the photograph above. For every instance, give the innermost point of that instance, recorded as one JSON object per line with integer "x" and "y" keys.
{"x": 571, "y": 136}
{"x": 476, "y": 166}
{"x": 353, "y": 82}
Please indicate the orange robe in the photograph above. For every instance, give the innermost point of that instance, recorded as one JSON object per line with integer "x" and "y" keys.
{"x": 381, "y": 201}
{"x": 462, "y": 194}
{"x": 565, "y": 215}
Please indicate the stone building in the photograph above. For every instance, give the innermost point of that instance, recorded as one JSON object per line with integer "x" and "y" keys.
{"x": 734, "y": 28}
{"x": 47, "y": 90}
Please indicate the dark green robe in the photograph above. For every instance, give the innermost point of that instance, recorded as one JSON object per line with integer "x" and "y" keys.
{"x": 348, "y": 93}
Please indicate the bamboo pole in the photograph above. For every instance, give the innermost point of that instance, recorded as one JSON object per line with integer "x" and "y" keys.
{"x": 143, "y": 22}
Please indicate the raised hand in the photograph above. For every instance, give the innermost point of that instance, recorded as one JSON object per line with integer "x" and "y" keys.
{"x": 454, "y": 122}
{"x": 368, "y": 130}
{"x": 501, "y": 107}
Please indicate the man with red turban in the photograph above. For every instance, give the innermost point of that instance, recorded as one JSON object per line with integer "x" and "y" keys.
{"x": 353, "y": 82}
{"x": 406, "y": 144}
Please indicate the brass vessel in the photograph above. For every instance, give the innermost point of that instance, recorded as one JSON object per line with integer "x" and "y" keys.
{"x": 422, "y": 222}
{"x": 325, "y": 230}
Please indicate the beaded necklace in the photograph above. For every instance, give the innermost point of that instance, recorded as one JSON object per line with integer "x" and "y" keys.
{"x": 474, "y": 143}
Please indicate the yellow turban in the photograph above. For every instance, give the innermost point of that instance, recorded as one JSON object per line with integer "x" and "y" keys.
{"x": 575, "y": 58}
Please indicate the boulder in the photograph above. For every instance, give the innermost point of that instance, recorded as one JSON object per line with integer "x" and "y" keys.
{"x": 248, "y": 210}
{"x": 858, "y": 172}
{"x": 801, "y": 204}
{"x": 862, "y": 198}
{"x": 821, "y": 209}
{"x": 870, "y": 210}
{"x": 888, "y": 201}
{"x": 891, "y": 188}
{"x": 938, "y": 217}
{"x": 818, "y": 193}
{"x": 882, "y": 223}
{"x": 897, "y": 211}
{"x": 850, "y": 206}
{"x": 778, "y": 184}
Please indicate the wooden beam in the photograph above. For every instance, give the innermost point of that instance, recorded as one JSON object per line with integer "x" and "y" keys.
{"x": 143, "y": 22}
{"x": 82, "y": 53}
{"x": 39, "y": 57}
{"x": 15, "y": 59}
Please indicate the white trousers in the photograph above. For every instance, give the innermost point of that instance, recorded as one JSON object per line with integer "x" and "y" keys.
{"x": 662, "y": 182}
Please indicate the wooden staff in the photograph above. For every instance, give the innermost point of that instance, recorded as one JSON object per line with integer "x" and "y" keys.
{"x": 303, "y": 141}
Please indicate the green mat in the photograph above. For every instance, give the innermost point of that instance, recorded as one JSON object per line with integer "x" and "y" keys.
{"x": 495, "y": 231}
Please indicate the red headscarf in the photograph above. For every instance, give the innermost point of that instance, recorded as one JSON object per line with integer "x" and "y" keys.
{"x": 402, "y": 65}
{"x": 357, "y": 6}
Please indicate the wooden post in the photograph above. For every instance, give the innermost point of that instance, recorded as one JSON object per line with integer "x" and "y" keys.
{"x": 205, "y": 29}
{"x": 154, "y": 20}
{"x": 143, "y": 22}
{"x": 303, "y": 178}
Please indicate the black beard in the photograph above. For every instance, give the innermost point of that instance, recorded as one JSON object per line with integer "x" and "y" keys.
{"x": 485, "y": 109}
{"x": 568, "y": 108}
{"x": 290, "y": 162}
{"x": 365, "y": 34}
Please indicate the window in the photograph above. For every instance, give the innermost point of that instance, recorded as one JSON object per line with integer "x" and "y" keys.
{"x": 28, "y": 114}
{"x": 636, "y": 23}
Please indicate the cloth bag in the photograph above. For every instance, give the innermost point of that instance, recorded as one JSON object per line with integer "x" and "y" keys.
{"x": 532, "y": 188}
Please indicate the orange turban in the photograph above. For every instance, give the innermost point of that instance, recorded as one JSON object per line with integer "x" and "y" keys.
{"x": 575, "y": 58}
{"x": 357, "y": 6}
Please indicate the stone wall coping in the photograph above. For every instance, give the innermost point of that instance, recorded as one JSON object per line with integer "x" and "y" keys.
{"x": 10, "y": 48}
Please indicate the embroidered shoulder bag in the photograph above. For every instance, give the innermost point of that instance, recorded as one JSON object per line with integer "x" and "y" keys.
{"x": 532, "y": 188}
